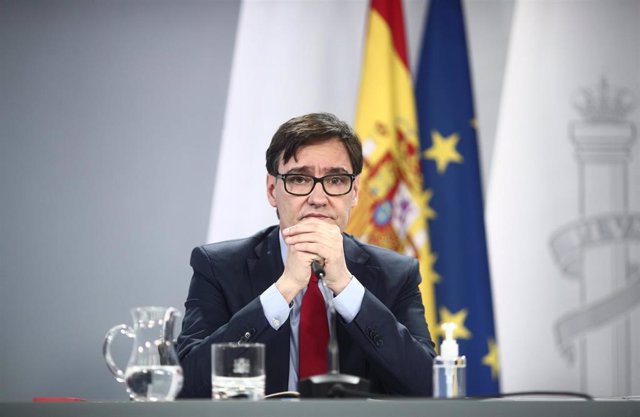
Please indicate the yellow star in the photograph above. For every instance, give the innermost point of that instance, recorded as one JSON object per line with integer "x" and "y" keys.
{"x": 491, "y": 359}
{"x": 433, "y": 276}
{"x": 443, "y": 150}
{"x": 430, "y": 213}
{"x": 461, "y": 332}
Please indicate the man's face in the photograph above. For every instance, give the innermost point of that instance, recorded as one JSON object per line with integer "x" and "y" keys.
{"x": 318, "y": 160}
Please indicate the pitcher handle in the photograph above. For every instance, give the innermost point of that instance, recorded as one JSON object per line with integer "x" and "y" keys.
{"x": 169, "y": 319}
{"x": 106, "y": 348}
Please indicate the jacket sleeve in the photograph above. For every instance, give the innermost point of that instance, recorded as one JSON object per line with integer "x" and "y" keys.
{"x": 212, "y": 315}
{"x": 394, "y": 335}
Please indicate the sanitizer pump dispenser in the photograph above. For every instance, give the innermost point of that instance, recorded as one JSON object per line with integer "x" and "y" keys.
{"x": 449, "y": 369}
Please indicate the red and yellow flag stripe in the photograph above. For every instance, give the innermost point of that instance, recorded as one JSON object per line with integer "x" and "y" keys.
{"x": 393, "y": 207}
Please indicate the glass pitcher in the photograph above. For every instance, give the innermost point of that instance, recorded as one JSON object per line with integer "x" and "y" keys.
{"x": 153, "y": 372}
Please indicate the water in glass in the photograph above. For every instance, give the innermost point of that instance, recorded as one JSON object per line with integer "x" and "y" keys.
{"x": 227, "y": 388}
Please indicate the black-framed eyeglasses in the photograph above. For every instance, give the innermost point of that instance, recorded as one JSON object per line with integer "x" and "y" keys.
{"x": 301, "y": 185}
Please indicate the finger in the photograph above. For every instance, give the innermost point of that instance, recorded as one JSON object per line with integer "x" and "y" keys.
{"x": 302, "y": 254}
{"x": 303, "y": 238}
{"x": 308, "y": 225}
{"x": 298, "y": 230}
{"x": 311, "y": 237}
{"x": 308, "y": 249}
{"x": 313, "y": 233}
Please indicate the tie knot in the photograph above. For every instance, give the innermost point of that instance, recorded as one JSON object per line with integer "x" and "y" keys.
{"x": 314, "y": 278}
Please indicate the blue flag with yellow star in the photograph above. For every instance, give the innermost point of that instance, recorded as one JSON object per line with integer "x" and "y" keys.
{"x": 451, "y": 170}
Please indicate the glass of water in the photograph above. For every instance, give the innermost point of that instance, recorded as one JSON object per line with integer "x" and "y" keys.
{"x": 237, "y": 371}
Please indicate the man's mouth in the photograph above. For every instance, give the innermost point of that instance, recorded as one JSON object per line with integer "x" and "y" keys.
{"x": 316, "y": 216}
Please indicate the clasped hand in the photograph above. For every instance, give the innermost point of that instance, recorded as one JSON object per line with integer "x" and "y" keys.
{"x": 308, "y": 241}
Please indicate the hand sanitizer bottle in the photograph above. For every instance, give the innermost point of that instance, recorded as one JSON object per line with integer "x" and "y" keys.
{"x": 449, "y": 369}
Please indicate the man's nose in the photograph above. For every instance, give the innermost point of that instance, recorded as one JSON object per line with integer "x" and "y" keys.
{"x": 317, "y": 196}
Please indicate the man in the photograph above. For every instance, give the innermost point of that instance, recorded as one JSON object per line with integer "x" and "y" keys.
{"x": 256, "y": 289}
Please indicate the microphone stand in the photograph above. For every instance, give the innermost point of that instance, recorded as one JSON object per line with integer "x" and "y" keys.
{"x": 332, "y": 384}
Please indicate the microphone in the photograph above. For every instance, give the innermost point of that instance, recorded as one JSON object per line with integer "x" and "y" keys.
{"x": 332, "y": 384}
{"x": 317, "y": 269}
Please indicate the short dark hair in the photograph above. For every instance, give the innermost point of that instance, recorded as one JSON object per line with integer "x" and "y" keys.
{"x": 309, "y": 129}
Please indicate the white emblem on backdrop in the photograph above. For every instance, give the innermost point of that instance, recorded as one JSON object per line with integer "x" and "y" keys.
{"x": 594, "y": 250}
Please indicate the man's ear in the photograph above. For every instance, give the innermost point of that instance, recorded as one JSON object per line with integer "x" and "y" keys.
{"x": 355, "y": 191}
{"x": 271, "y": 190}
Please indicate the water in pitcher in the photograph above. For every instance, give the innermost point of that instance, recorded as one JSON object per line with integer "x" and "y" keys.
{"x": 249, "y": 388}
{"x": 154, "y": 383}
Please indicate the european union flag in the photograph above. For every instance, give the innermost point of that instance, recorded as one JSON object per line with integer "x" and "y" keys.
{"x": 451, "y": 172}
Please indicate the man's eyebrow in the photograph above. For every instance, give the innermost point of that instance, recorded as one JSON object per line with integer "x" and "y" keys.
{"x": 300, "y": 170}
{"x": 307, "y": 170}
{"x": 336, "y": 171}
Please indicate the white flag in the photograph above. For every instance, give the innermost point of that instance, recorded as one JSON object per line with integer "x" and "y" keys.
{"x": 563, "y": 210}
{"x": 290, "y": 58}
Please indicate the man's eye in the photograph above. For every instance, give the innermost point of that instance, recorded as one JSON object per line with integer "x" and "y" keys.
{"x": 337, "y": 180}
{"x": 298, "y": 179}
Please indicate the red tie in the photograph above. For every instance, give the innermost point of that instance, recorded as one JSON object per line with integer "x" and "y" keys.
{"x": 314, "y": 332}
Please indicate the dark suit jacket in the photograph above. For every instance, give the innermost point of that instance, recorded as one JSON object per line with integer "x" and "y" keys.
{"x": 388, "y": 342}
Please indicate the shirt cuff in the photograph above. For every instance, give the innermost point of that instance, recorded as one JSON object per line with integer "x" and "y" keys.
{"x": 275, "y": 307}
{"x": 348, "y": 302}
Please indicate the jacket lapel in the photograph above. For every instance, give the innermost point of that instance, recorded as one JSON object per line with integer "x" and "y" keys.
{"x": 266, "y": 265}
{"x": 358, "y": 263}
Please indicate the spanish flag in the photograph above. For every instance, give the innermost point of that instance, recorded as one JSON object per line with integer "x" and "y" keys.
{"x": 393, "y": 206}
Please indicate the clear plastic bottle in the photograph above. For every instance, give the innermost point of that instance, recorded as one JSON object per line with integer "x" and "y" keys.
{"x": 449, "y": 369}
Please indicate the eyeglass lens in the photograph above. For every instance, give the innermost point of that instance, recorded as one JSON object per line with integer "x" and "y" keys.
{"x": 303, "y": 184}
